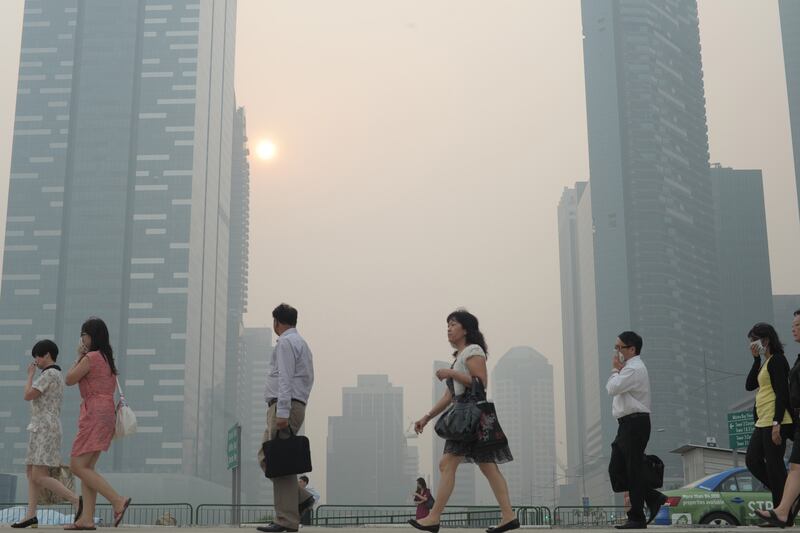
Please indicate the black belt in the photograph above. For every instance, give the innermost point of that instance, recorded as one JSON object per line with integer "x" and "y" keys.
{"x": 631, "y": 416}
{"x": 273, "y": 401}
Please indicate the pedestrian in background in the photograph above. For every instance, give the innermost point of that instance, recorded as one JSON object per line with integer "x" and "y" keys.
{"x": 784, "y": 514}
{"x": 95, "y": 373}
{"x": 464, "y": 334}
{"x": 629, "y": 387}
{"x": 422, "y": 498}
{"x": 44, "y": 443}
{"x": 773, "y": 420}
{"x": 289, "y": 383}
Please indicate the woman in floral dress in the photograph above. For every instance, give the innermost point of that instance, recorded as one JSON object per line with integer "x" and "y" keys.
{"x": 96, "y": 375}
{"x": 44, "y": 444}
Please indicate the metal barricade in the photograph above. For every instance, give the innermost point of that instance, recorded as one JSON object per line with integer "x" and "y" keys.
{"x": 139, "y": 514}
{"x": 460, "y": 516}
{"x": 601, "y": 516}
{"x": 211, "y": 514}
{"x": 538, "y": 515}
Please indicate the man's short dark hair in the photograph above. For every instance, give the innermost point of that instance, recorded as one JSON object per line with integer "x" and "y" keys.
{"x": 285, "y": 314}
{"x": 631, "y": 338}
{"x": 44, "y": 347}
{"x": 797, "y": 313}
{"x": 304, "y": 478}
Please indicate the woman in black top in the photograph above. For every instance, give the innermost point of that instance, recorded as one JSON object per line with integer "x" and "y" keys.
{"x": 772, "y": 418}
{"x": 783, "y": 515}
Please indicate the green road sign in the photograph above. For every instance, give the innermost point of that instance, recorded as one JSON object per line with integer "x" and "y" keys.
{"x": 740, "y": 427}
{"x": 234, "y": 434}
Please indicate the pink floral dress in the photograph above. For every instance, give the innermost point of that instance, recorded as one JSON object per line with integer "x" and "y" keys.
{"x": 98, "y": 414}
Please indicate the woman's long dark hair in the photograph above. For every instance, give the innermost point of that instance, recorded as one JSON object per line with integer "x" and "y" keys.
{"x": 469, "y": 322}
{"x": 762, "y": 330}
{"x": 421, "y": 484}
{"x": 98, "y": 331}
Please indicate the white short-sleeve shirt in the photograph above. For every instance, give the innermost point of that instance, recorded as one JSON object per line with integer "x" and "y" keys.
{"x": 460, "y": 364}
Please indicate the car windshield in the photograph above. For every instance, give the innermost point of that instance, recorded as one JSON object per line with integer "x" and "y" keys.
{"x": 708, "y": 483}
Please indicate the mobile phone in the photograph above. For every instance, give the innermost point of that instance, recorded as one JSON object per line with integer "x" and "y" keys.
{"x": 620, "y": 358}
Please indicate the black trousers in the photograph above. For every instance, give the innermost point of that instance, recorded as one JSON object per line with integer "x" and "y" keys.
{"x": 764, "y": 459}
{"x": 627, "y": 455}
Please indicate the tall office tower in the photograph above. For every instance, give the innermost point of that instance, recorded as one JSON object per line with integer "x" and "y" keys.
{"x": 522, "y": 385}
{"x": 464, "y": 490}
{"x": 119, "y": 207}
{"x": 790, "y": 32}
{"x": 744, "y": 273}
{"x": 367, "y": 447}
{"x": 784, "y": 306}
{"x": 251, "y": 410}
{"x": 655, "y": 260}
{"x": 237, "y": 265}
{"x": 571, "y": 339}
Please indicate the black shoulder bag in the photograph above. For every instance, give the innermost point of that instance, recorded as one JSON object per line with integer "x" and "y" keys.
{"x": 460, "y": 421}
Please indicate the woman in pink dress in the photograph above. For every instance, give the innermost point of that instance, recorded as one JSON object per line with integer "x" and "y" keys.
{"x": 96, "y": 375}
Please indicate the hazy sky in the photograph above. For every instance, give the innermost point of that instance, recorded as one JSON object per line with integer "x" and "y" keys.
{"x": 423, "y": 148}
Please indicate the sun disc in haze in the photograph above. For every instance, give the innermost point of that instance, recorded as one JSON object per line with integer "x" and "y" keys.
{"x": 266, "y": 149}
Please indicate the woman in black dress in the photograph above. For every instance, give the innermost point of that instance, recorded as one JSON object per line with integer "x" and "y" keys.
{"x": 469, "y": 362}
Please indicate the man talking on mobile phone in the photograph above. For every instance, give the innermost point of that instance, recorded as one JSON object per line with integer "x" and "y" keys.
{"x": 629, "y": 387}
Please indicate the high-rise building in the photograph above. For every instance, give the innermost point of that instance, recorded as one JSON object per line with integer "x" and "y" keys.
{"x": 655, "y": 259}
{"x": 237, "y": 265}
{"x": 790, "y": 32}
{"x": 744, "y": 273}
{"x": 522, "y": 389}
{"x": 571, "y": 339}
{"x": 464, "y": 489}
{"x": 367, "y": 446}
{"x": 119, "y": 207}
{"x": 784, "y": 306}
{"x": 251, "y": 410}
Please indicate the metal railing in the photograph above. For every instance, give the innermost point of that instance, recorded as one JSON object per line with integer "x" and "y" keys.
{"x": 600, "y": 516}
{"x": 454, "y": 516}
{"x": 150, "y": 514}
{"x": 211, "y": 514}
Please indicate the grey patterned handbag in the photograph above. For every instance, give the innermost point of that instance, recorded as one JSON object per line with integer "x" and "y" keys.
{"x": 460, "y": 422}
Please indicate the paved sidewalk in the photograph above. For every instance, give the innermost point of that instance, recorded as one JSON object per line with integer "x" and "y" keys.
{"x": 408, "y": 529}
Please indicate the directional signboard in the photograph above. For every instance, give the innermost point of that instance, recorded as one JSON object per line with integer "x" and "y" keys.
{"x": 740, "y": 427}
{"x": 234, "y": 436}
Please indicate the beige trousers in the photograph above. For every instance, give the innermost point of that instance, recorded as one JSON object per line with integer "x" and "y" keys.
{"x": 287, "y": 492}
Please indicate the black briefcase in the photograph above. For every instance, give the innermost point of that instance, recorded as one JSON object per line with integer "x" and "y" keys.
{"x": 286, "y": 457}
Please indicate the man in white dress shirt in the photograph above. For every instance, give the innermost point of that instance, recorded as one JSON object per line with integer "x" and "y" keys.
{"x": 291, "y": 376}
{"x": 629, "y": 387}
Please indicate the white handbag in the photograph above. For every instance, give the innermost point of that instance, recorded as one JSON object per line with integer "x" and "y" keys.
{"x": 126, "y": 419}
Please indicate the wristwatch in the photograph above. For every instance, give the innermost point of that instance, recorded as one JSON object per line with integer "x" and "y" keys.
{"x": 775, "y": 423}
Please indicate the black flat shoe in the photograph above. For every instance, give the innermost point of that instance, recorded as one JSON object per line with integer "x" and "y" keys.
{"x": 508, "y": 526}
{"x": 632, "y": 524}
{"x": 433, "y": 528}
{"x": 30, "y": 522}
{"x": 80, "y": 509}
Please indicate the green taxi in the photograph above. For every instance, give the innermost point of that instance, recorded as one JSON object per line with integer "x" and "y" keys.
{"x": 726, "y": 498}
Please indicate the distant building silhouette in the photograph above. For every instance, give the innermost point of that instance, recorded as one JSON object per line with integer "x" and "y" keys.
{"x": 464, "y": 490}
{"x": 790, "y": 32}
{"x": 366, "y": 451}
{"x": 251, "y": 412}
{"x": 744, "y": 275}
{"x": 522, "y": 390}
{"x": 652, "y": 226}
{"x": 573, "y": 364}
{"x": 119, "y": 207}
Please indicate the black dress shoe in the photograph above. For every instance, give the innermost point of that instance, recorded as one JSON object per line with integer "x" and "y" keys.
{"x": 30, "y": 522}
{"x": 655, "y": 506}
{"x": 433, "y": 528}
{"x": 275, "y": 528}
{"x": 508, "y": 526}
{"x": 632, "y": 524}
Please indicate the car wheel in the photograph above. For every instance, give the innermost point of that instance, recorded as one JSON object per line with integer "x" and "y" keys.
{"x": 719, "y": 519}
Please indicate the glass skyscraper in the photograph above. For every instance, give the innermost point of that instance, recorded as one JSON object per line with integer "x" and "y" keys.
{"x": 654, "y": 253}
{"x": 119, "y": 207}
{"x": 790, "y": 33}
